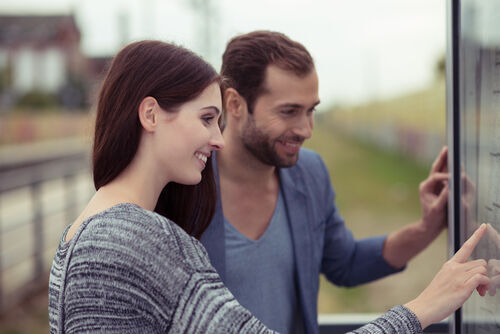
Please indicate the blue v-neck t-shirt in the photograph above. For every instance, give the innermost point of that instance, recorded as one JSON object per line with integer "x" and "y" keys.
{"x": 258, "y": 268}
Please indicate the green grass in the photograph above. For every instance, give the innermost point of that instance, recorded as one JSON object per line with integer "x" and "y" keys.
{"x": 364, "y": 175}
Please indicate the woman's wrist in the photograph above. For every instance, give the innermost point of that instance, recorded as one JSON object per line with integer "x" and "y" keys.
{"x": 420, "y": 311}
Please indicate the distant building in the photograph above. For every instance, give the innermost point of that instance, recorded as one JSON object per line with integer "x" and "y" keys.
{"x": 97, "y": 67}
{"x": 41, "y": 53}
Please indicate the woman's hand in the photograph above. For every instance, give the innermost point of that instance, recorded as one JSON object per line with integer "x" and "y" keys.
{"x": 453, "y": 284}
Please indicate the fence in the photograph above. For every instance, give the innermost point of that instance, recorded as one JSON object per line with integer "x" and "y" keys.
{"x": 42, "y": 188}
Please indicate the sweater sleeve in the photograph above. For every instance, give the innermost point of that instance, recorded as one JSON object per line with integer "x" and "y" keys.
{"x": 207, "y": 306}
{"x": 397, "y": 320}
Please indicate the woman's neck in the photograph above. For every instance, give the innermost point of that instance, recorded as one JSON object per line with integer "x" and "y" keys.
{"x": 137, "y": 184}
{"x": 140, "y": 183}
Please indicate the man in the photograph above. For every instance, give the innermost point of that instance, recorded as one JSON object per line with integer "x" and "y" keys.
{"x": 276, "y": 226}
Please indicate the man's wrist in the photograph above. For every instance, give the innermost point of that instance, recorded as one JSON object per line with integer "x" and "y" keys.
{"x": 425, "y": 227}
{"x": 401, "y": 246}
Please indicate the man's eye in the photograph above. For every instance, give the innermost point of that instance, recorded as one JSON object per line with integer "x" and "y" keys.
{"x": 288, "y": 112}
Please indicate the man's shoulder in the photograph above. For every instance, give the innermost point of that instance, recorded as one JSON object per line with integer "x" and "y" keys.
{"x": 309, "y": 167}
{"x": 309, "y": 176}
{"x": 309, "y": 161}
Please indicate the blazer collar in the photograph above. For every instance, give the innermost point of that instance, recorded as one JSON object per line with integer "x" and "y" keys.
{"x": 292, "y": 187}
{"x": 298, "y": 208}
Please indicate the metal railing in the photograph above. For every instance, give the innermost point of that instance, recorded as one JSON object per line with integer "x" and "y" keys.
{"x": 40, "y": 193}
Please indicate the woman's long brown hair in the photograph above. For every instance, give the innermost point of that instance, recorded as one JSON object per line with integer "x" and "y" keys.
{"x": 172, "y": 75}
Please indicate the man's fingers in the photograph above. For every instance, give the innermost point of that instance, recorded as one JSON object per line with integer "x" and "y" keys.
{"x": 466, "y": 181}
{"x": 438, "y": 176}
{"x": 468, "y": 247}
{"x": 434, "y": 178}
{"x": 440, "y": 161}
{"x": 440, "y": 164}
{"x": 443, "y": 196}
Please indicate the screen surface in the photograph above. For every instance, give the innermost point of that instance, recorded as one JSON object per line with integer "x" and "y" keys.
{"x": 479, "y": 133}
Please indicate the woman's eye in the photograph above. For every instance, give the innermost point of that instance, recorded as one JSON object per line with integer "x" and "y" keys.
{"x": 208, "y": 119}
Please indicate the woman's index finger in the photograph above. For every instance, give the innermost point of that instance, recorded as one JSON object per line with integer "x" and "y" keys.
{"x": 468, "y": 247}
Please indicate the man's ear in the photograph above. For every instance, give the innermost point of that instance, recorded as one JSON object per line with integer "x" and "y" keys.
{"x": 235, "y": 104}
{"x": 148, "y": 113}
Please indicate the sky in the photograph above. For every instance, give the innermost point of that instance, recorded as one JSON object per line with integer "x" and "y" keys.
{"x": 363, "y": 49}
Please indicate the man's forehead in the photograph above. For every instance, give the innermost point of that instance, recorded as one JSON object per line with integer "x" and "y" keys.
{"x": 273, "y": 72}
{"x": 286, "y": 87}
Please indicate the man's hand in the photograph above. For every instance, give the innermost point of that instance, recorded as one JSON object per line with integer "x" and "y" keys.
{"x": 405, "y": 243}
{"x": 434, "y": 194}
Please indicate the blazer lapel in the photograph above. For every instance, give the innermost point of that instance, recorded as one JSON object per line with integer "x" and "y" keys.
{"x": 298, "y": 211}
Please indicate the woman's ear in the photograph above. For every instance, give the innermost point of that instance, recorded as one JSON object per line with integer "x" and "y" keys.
{"x": 148, "y": 113}
{"x": 235, "y": 104}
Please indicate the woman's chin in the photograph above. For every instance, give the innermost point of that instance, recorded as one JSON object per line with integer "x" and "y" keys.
{"x": 192, "y": 181}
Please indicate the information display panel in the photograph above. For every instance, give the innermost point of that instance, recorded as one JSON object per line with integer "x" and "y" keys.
{"x": 476, "y": 192}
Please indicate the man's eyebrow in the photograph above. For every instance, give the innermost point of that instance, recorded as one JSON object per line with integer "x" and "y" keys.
{"x": 295, "y": 105}
{"x": 316, "y": 103}
{"x": 214, "y": 108}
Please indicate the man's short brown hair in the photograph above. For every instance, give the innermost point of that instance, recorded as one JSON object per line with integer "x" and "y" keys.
{"x": 247, "y": 57}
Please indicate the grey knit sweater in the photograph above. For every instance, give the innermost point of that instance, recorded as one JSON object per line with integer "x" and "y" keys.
{"x": 129, "y": 270}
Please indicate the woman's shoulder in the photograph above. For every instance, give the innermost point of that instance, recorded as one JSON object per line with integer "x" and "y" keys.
{"x": 129, "y": 230}
{"x": 120, "y": 219}
{"x": 127, "y": 223}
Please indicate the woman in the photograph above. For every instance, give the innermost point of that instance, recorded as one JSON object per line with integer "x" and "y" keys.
{"x": 121, "y": 267}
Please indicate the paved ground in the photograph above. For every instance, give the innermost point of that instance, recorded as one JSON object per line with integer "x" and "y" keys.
{"x": 31, "y": 317}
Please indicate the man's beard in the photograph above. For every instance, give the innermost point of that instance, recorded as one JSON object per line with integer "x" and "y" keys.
{"x": 262, "y": 146}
